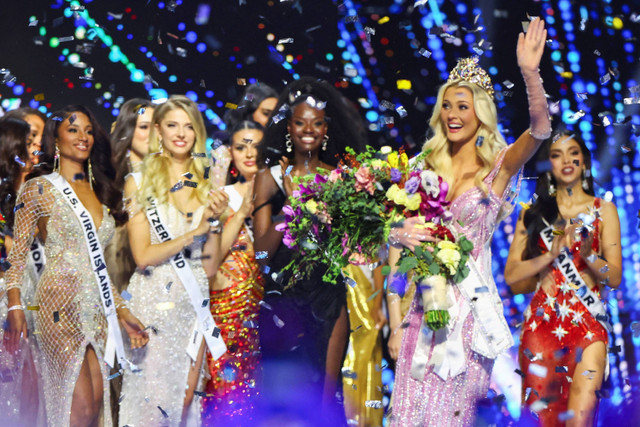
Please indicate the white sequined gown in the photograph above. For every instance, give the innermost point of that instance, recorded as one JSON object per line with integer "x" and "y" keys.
{"x": 70, "y": 315}
{"x": 154, "y": 396}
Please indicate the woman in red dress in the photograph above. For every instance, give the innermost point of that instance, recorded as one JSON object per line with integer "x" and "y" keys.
{"x": 563, "y": 349}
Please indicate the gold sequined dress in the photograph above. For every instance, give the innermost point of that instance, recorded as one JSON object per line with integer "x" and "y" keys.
{"x": 155, "y": 395}
{"x": 70, "y": 316}
{"x": 361, "y": 372}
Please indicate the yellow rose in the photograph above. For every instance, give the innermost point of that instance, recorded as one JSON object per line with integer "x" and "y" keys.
{"x": 449, "y": 256}
{"x": 413, "y": 203}
{"x": 397, "y": 195}
{"x": 311, "y": 206}
{"x": 392, "y": 159}
{"x": 446, "y": 244}
{"x": 392, "y": 191}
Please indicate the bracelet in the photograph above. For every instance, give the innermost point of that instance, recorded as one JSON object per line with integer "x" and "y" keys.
{"x": 214, "y": 226}
{"x": 16, "y": 307}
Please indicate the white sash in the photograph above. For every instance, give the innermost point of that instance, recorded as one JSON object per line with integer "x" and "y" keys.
{"x": 38, "y": 258}
{"x": 114, "y": 345}
{"x": 205, "y": 325}
{"x": 587, "y": 297}
{"x": 448, "y": 355}
{"x": 235, "y": 202}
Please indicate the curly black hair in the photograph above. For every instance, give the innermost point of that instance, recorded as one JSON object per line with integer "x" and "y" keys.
{"x": 13, "y": 151}
{"x": 103, "y": 171}
{"x": 345, "y": 124}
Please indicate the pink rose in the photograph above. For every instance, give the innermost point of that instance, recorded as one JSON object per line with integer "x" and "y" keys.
{"x": 364, "y": 180}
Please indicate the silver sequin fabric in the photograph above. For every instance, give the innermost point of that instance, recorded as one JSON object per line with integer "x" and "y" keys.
{"x": 154, "y": 396}
{"x": 434, "y": 401}
{"x": 70, "y": 316}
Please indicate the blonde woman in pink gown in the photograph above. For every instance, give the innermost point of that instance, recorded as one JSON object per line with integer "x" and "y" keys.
{"x": 441, "y": 375}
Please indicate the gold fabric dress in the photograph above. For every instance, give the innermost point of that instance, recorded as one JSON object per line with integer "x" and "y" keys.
{"x": 362, "y": 373}
{"x": 70, "y": 315}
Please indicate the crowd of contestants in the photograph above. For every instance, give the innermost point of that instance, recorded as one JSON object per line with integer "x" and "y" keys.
{"x": 310, "y": 354}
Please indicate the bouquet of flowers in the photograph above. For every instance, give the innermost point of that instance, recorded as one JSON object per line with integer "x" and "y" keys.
{"x": 338, "y": 217}
{"x": 435, "y": 262}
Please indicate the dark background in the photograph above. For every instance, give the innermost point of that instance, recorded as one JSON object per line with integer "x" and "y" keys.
{"x": 596, "y": 38}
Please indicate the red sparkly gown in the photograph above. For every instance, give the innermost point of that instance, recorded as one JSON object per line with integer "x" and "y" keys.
{"x": 231, "y": 391}
{"x": 556, "y": 330}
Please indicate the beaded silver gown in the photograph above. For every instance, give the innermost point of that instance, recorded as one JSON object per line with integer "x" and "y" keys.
{"x": 69, "y": 315}
{"x": 155, "y": 395}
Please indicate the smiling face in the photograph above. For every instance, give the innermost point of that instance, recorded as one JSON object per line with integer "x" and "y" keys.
{"x": 244, "y": 149}
{"x": 307, "y": 128}
{"x": 567, "y": 162}
{"x": 177, "y": 133}
{"x": 140, "y": 139}
{"x": 35, "y": 137}
{"x": 75, "y": 137}
{"x": 458, "y": 115}
{"x": 264, "y": 110}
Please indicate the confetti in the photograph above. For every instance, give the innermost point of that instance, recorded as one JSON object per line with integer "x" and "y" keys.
{"x": 286, "y": 40}
{"x": 56, "y": 317}
{"x": 262, "y": 254}
{"x": 162, "y": 411}
{"x": 176, "y": 187}
{"x": 565, "y": 416}
{"x": 479, "y": 141}
{"x": 191, "y": 184}
{"x": 19, "y": 161}
{"x": 279, "y": 323}
{"x": 18, "y": 207}
{"x": 538, "y": 370}
{"x": 125, "y": 295}
{"x": 78, "y": 177}
{"x": 375, "y": 404}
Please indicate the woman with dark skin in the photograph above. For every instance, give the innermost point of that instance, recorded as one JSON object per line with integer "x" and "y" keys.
{"x": 304, "y": 329}
{"x": 71, "y": 320}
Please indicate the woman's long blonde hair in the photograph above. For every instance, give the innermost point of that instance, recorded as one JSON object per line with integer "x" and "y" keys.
{"x": 439, "y": 149}
{"x": 155, "y": 173}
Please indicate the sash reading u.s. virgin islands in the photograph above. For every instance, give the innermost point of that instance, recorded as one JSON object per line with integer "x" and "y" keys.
{"x": 587, "y": 297}
{"x": 114, "y": 345}
{"x": 206, "y": 326}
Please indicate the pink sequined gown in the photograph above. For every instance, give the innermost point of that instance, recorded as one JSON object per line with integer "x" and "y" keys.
{"x": 434, "y": 401}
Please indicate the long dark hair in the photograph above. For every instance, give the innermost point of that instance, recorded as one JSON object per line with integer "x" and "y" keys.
{"x": 103, "y": 171}
{"x": 13, "y": 149}
{"x": 22, "y": 112}
{"x": 122, "y": 135}
{"x": 546, "y": 206}
{"x": 251, "y": 100}
{"x": 345, "y": 125}
{"x": 243, "y": 125}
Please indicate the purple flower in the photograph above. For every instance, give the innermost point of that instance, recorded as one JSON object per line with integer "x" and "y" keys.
{"x": 412, "y": 185}
{"x": 396, "y": 175}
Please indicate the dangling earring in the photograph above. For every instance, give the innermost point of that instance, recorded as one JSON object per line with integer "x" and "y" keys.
{"x": 325, "y": 141}
{"x": 56, "y": 160}
{"x": 233, "y": 171}
{"x": 552, "y": 188}
{"x": 585, "y": 184}
{"x": 288, "y": 143}
{"x": 90, "y": 173}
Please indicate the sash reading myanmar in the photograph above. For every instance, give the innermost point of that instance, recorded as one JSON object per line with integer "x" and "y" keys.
{"x": 114, "y": 344}
{"x": 565, "y": 264}
{"x": 206, "y": 326}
